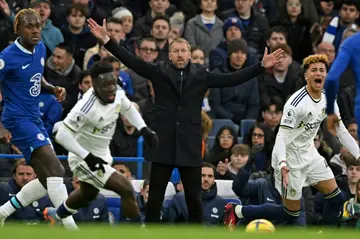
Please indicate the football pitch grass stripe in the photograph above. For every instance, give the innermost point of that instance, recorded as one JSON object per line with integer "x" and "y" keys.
{"x": 169, "y": 232}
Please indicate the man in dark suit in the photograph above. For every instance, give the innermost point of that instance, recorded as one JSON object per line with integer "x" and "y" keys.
{"x": 180, "y": 87}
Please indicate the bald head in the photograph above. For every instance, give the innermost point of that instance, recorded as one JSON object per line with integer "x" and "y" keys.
{"x": 327, "y": 49}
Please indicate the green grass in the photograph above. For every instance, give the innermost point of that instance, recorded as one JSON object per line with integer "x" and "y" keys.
{"x": 181, "y": 232}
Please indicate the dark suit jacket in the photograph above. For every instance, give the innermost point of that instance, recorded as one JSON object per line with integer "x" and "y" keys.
{"x": 179, "y": 96}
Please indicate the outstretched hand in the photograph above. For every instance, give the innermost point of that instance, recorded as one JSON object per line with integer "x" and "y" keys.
{"x": 332, "y": 123}
{"x": 98, "y": 31}
{"x": 269, "y": 60}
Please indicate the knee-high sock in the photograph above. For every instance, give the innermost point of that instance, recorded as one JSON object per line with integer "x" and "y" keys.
{"x": 58, "y": 194}
{"x": 267, "y": 211}
{"x": 31, "y": 192}
{"x": 333, "y": 207}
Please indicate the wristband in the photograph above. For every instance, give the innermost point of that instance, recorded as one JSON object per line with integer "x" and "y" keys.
{"x": 283, "y": 164}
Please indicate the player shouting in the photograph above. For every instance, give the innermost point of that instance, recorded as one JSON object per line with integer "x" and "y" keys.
{"x": 295, "y": 159}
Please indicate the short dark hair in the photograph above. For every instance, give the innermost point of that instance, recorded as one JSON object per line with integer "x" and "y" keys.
{"x": 149, "y": 39}
{"x": 208, "y": 165}
{"x": 165, "y": 18}
{"x": 355, "y": 3}
{"x": 349, "y": 160}
{"x": 277, "y": 101}
{"x": 100, "y": 67}
{"x": 279, "y": 29}
{"x": 110, "y": 59}
{"x": 83, "y": 74}
{"x": 351, "y": 121}
{"x": 114, "y": 20}
{"x": 78, "y": 7}
{"x": 145, "y": 183}
{"x": 69, "y": 48}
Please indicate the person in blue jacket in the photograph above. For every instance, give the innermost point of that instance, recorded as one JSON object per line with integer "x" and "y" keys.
{"x": 50, "y": 110}
{"x": 22, "y": 174}
{"x": 213, "y": 205}
{"x": 259, "y": 191}
{"x": 95, "y": 211}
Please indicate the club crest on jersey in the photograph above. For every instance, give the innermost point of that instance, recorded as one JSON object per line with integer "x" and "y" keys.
{"x": 40, "y": 136}
{"x": 323, "y": 112}
{"x": 2, "y": 64}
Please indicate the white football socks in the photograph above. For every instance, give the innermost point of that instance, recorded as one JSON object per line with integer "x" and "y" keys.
{"x": 31, "y": 192}
{"x": 238, "y": 211}
{"x": 58, "y": 194}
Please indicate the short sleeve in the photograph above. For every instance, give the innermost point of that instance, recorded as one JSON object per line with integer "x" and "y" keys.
{"x": 124, "y": 102}
{"x": 2, "y": 67}
{"x": 290, "y": 116}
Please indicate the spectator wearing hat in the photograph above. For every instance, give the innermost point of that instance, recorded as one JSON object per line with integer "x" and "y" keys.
{"x": 253, "y": 24}
{"x": 177, "y": 25}
{"x": 282, "y": 81}
{"x": 237, "y": 102}
{"x": 232, "y": 31}
{"x": 205, "y": 29}
{"x": 127, "y": 20}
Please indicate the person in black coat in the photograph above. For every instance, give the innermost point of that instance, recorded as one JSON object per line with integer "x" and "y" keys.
{"x": 180, "y": 87}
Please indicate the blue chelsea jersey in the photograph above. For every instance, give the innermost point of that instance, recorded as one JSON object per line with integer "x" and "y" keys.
{"x": 20, "y": 76}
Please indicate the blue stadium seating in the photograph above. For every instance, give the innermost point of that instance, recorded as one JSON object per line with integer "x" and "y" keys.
{"x": 218, "y": 123}
{"x": 246, "y": 125}
{"x": 240, "y": 140}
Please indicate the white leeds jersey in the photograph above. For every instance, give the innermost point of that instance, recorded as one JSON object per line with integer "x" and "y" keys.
{"x": 94, "y": 123}
{"x": 302, "y": 116}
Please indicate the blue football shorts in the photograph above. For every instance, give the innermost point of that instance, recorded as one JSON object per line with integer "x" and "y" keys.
{"x": 27, "y": 135}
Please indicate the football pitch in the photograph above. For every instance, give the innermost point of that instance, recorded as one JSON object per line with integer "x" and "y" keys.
{"x": 181, "y": 232}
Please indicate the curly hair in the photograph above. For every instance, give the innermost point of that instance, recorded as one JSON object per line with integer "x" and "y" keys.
{"x": 316, "y": 58}
{"x": 21, "y": 14}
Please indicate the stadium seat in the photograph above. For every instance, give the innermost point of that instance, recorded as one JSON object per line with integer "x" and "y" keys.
{"x": 210, "y": 141}
{"x": 225, "y": 189}
{"x": 240, "y": 140}
{"x": 113, "y": 200}
{"x": 218, "y": 123}
{"x": 246, "y": 124}
{"x": 237, "y": 201}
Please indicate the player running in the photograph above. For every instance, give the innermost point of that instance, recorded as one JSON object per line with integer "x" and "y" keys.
{"x": 86, "y": 133}
{"x": 21, "y": 70}
{"x": 295, "y": 159}
{"x": 348, "y": 55}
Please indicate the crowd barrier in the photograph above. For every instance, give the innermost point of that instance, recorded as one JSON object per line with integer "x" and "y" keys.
{"x": 139, "y": 159}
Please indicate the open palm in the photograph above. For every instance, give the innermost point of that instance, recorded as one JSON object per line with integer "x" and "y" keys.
{"x": 269, "y": 60}
{"x": 98, "y": 31}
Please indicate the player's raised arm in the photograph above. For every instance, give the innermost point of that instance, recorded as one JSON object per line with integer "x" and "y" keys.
{"x": 131, "y": 61}
{"x": 337, "y": 68}
{"x": 129, "y": 111}
{"x": 219, "y": 80}
{"x": 344, "y": 136}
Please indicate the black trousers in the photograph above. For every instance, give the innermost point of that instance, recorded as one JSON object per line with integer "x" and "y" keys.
{"x": 159, "y": 178}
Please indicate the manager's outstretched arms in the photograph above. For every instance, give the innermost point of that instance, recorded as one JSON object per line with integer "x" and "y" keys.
{"x": 131, "y": 61}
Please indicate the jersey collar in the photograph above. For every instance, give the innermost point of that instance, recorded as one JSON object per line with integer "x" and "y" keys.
{"x": 17, "y": 43}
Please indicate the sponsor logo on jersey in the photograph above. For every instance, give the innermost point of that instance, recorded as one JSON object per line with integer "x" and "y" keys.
{"x": 104, "y": 129}
{"x": 309, "y": 126}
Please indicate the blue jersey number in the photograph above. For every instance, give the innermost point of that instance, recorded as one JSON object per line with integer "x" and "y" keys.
{"x": 35, "y": 89}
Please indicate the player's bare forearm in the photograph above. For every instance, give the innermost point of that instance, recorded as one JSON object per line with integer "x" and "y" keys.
{"x": 45, "y": 86}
